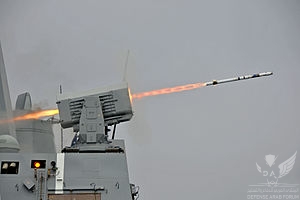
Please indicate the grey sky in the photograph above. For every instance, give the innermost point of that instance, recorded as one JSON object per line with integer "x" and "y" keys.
{"x": 200, "y": 144}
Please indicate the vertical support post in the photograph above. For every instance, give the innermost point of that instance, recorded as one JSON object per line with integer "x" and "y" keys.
{"x": 61, "y": 129}
{"x": 5, "y": 103}
{"x": 91, "y": 125}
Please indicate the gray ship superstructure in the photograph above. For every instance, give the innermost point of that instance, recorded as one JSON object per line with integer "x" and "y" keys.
{"x": 93, "y": 167}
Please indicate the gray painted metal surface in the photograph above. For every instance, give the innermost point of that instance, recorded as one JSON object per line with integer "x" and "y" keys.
{"x": 5, "y": 103}
{"x": 103, "y": 174}
{"x": 32, "y": 135}
{"x": 93, "y": 168}
{"x": 24, "y": 102}
{"x": 215, "y": 82}
{"x": 35, "y": 136}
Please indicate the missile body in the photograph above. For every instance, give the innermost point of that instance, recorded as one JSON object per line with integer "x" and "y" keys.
{"x": 215, "y": 82}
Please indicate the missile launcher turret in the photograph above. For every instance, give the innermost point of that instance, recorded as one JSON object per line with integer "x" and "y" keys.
{"x": 94, "y": 167}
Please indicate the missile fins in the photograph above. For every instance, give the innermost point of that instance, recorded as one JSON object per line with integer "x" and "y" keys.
{"x": 215, "y": 82}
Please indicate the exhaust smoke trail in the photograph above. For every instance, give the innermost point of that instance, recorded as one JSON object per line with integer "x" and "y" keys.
{"x": 197, "y": 85}
{"x": 33, "y": 115}
{"x": 168, "y": 90}
{"x": 37, "y": 115}
{"x": 51, "y": 112}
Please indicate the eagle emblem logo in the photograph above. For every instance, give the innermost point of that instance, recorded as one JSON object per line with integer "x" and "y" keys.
{"x": 272, "y": 173}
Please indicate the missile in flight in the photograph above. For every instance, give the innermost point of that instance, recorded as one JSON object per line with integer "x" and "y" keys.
{"x": 215, "y": 82}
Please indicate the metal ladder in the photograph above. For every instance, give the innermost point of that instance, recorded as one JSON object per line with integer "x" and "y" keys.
{"x": 41, "y": 187}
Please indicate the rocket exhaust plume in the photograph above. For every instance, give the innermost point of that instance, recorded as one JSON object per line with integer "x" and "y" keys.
{"x": 51, "y": 112}
{"x": 196, "y": 85}
{"x": 168, "y": 90}
{"x": 37, "y": 114}
{"x": 33, "y": 115}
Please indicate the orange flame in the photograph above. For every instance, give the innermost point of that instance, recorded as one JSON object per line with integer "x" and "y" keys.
{"x": 37, "y": 114}
{"x": 33, "y": 115}
{"x": 168, "y": 90}
{"x": 51, "y": 112}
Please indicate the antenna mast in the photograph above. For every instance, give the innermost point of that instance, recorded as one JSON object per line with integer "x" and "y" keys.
{"x": 61, "y": 129}
{"x": 125, "y": 67}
